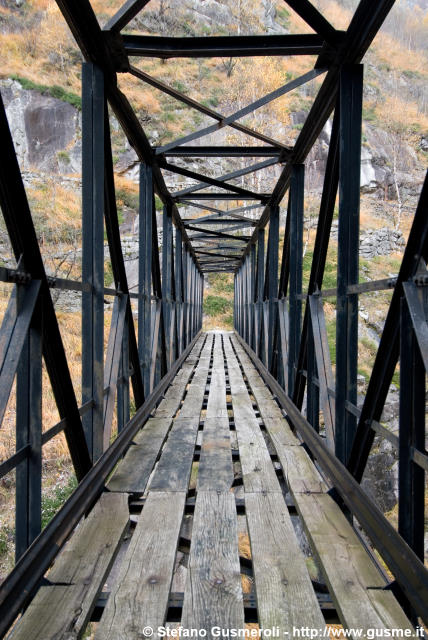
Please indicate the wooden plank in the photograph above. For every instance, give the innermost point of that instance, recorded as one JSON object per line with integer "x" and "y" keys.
{"x": 169, "y": 406}
{"x": 172, "y": 472}
{"x": 280, "y": 432}
{"x": 299, "y": 471}
{"x": 213, "y": 592}
{"x": 140, "y": 595}
{"x": 192, "y": 405}
{"x": 355, "y": 584}
{"x": 285, "y": 596}
{"x": 62, "y": 610}
{"x": 133, "y": 472}
{"x": 215, "y": 463}
{"x": 257, "y": 469}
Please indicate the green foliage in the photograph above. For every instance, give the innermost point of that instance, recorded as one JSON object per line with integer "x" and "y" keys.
{"x": 283, "y": 17}
{"x": 55, "y": 91}
{"x": 223, "y": 283}
{"x": 158, "y": 203}
{"x": 217, "y": 305}
{"x": 108, "y": 274}
{"x": 369, "y": 114}
{"x": 330, "y": 271}
{"x": 64, "y": 156}
{"x": 54, "y": 500}
{"x": 129, "y": 198}
{"x": 331, "y": 337}
{"x": 6, "y": 536}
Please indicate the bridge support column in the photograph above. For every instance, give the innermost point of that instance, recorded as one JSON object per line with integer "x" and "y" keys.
{"x": 272, "y": 282}
{"x": 179, "y": 290}
{"x": 411, "y": 477}
{"x": 252, "y": 300}
{"x": 145, "y": 274}
{"x": 167, "y": 261}
{"x": 351, "y": 94}
{"x": 259, "y": 294}
{"x": 29, "y": 433}
{"x": 93, "y": 105}
{"x": 296, "y": 259}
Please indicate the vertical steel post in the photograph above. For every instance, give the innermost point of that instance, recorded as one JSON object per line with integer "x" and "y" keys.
{"x": 145, "y": 274}
{"x": 167, "y": 280}
{"x": 185, "y": 297}
{"x": 312, "y": 397}
{"x": 351, "y": 94}
{"x": 252, "y": 299}
{"x": 29, "y": 432}
{"x": 123, "y": 404}
{"x": 296, "y": 265}
{"x": 178, "y": 272}
{"x": 259, "y": 285}
{"x": 273, "y": 247}
{"x": 411, "y": 477}
{"x": 93, "y": 254}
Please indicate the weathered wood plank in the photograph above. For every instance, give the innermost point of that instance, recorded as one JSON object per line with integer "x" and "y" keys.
{"x": 172, "y": 472}
{"x": 257, "y": 469}
{"x": 355, "y": 584}
{"x": 285, "y": 596}
{"x": 140, "y": 595}
{"x": 170, "y": 403}
{"x": 133, "y": 472}
{"x": 215, "y": 463}
{"x": 299, "y": 471}
{"x": 192, "y": 405}
{"x": 61, "y": 611}
{"x": 213, "y": 593}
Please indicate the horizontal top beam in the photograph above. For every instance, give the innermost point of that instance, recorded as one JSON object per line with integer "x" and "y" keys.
{"x": 223, "y": 46}
{"x": 223, "y": 152}
{"x": 249, "y": 222}
{"x": 223, "y": 196}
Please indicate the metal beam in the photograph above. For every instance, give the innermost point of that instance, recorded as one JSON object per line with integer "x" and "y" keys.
{"x": 229, "y": 176}
{"x": 220, "y": 151}
{"x": 17, "y": 216}
{"x": 296, "y": 261}
{"x": 388, "y": 350}
{"x": 243, "y": 193}
{"x": 316, "y": 20}
{"x": 222, "y": 46}
{"x": 200, "y": 107}
{"x": 273, "y": 95}
{"x": 226, "y": 196}
{"x": 93, "y": 104}
{"x": 125, "y": 14}
{"x": 364, "y": 25}
{"x": 351, "y": 101}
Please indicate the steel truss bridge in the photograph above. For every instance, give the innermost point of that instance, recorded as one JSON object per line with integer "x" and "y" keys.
{"x": 245, "y": 405}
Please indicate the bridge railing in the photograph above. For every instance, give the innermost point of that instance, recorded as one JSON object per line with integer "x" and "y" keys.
{"x": 284, "y": 330}
{"x": 144, "y": 350}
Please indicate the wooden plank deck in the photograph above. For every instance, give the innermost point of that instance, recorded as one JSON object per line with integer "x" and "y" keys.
{"x": 216, "y": 422}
